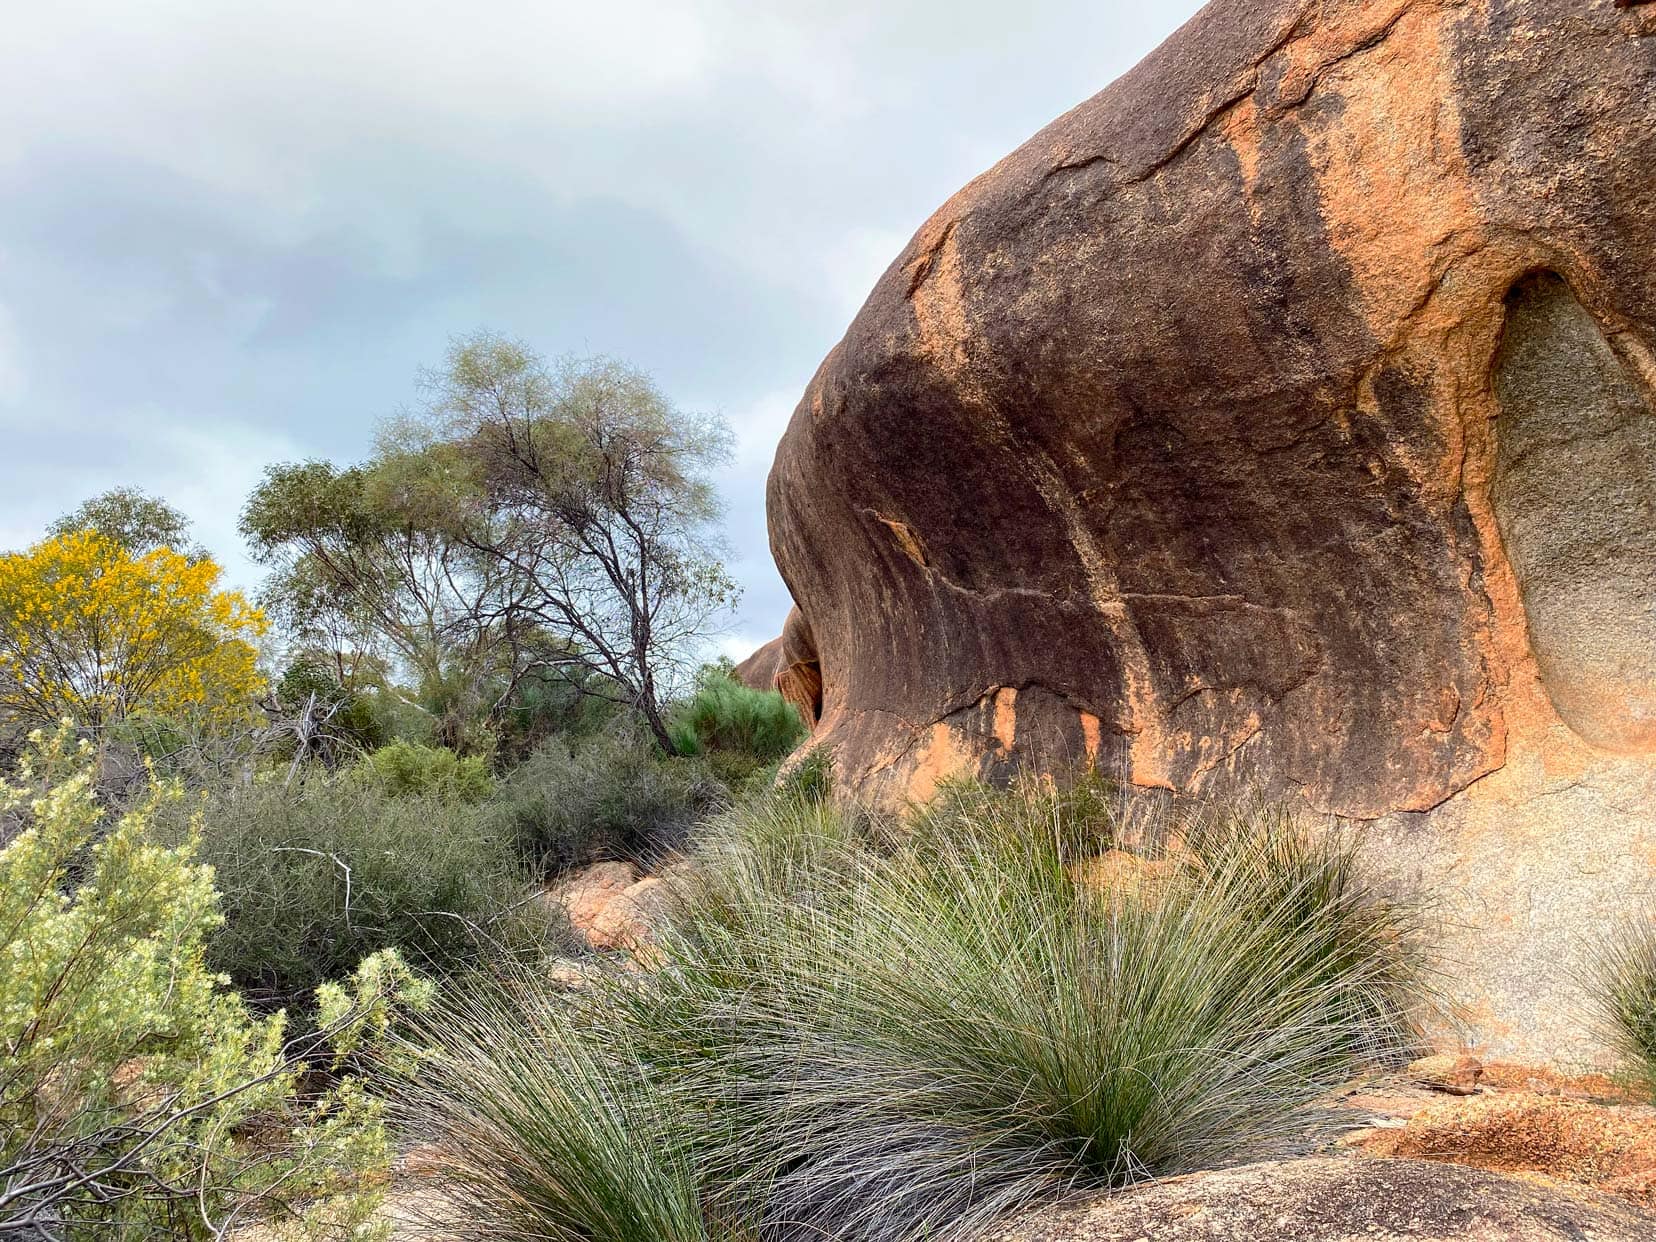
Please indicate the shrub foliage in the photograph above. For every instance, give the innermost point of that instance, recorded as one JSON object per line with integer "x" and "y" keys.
{"x": 406, "y": 769}
{"x": 608, "y": 795}
{"x": 132, "y": 1081}
{"x": 319, "y": 875}
{"x": 723, "y": 714}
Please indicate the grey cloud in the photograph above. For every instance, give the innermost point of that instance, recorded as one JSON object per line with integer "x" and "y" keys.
{"x": 221, "y": 240}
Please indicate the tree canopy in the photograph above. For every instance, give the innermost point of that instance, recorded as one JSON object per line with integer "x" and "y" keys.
{"x": 532, "y": 516}
{"x": 91, "y": 631}
{"x": 132, "y": 518}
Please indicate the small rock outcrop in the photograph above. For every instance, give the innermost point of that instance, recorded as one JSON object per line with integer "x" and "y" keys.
{"x": 611, "y": 906}
{"x": 583, "y": 895}
{"x": 1335, "y": 1199}
{"x": 628, "y": 920}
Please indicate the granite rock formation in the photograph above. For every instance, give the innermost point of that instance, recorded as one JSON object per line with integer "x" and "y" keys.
{"x": 1330, "y": 1199}
{"x": 1284, "y": 415}
{"x": 1282, "y": 418}
{"x": 788, "y": 663}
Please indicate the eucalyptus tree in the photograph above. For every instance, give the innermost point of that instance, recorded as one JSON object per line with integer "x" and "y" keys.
{"x": 363, "y": 575}
{"x": 532, "y": 519}
{"x": 133, "y": 519}
{"x": 592, "y": 494}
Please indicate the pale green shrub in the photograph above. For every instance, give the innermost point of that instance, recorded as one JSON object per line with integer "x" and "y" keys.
{"x": 138, "y": 1096}
{"x": 410, "y": 769}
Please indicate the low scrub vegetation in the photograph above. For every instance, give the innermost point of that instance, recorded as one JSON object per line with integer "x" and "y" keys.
{"x": 405, "y": 768}
{"x": 317, "y": 875}
{"x": 608, "y": 795}
{"x": 875, "y": 1030}
{"x": 139, "y": 1097}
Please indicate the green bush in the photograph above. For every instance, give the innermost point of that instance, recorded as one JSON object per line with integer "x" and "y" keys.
{"x": 410, "y": 769}
{"x": 726, "y": 717}
{"x": 357, "y": 721}
{"x": 138, "y": 1096}
{"x": 877, "y": 1031}
{"x": 611, "y": 795}
{"x": 1624, "y": 990}
{"x": 319, "y": 875}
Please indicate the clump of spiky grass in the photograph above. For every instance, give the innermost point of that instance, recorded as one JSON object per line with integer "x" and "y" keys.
{"x": 548, "y": 1133}
{"x": 1624, "y": 991}
{"x": 723, "y": 714}
{"x": 878, "y": 1032}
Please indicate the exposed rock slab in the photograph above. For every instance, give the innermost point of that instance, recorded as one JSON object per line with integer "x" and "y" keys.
{"x": 1334, "y": 1199}
{"x": 1610, "y": 1146}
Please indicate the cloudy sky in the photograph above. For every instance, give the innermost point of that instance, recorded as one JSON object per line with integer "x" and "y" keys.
{"x": 232, "y": 230}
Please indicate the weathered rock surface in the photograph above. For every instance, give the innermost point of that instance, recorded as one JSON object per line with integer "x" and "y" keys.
{"x": 1333, "y": 1199}
{"x": 1223, "y": 429}
{"x": 1609, "y": 1146}
{"x": 628, "y": 920}
{"x": 612, "y": 907}
{"x": 759, "y": 670}
{"x": 585, "y": 894}
{"x": 1282, "y": 417}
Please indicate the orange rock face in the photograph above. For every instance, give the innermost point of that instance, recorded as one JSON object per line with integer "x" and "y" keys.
{"x": 585, "y": 894}
{"x": 1285, "y": 415}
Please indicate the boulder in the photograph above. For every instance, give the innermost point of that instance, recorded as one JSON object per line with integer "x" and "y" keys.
{"x": 788, "y": 664}
{"x": 584, "y": 895}
{"x": 1283, "y": 418}
{"x": 759, "y": 670}
{"x": 1277, "y": 413}
{"x": 628, "y": 919}
{"x": 1342, "y": 1199}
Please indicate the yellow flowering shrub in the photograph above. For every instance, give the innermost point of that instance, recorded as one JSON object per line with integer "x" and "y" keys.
{"x": 91, "y": 632}
{"x": 138, "y": 1095}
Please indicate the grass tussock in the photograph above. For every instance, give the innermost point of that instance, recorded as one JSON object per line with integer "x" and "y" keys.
{"x": 548, "y": 1133}
{"x": 1625, "y": 992}
{"x": 875, "y": 1030}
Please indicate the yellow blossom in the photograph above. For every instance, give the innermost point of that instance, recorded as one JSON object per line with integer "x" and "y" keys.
{"x": 89, "y": 631}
